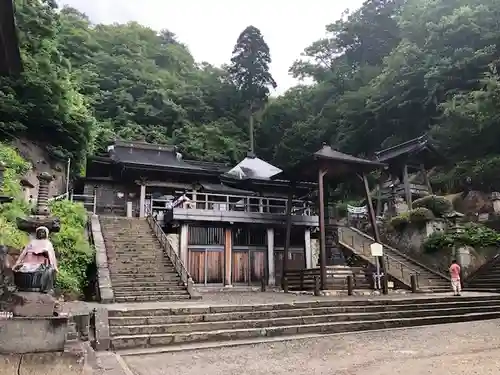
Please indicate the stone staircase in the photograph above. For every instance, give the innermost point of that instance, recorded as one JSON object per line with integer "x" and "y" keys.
{"x": 139, "y": 269}
{"x": 176, "y": 328}
{"x": 486, "y": 278}
{"x": 399, "y": 265}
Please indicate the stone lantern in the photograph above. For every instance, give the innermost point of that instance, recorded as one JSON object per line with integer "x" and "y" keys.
{"x": 41, "y": 212}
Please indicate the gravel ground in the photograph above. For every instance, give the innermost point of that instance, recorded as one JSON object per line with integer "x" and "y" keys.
{"x": 452, "y": 349}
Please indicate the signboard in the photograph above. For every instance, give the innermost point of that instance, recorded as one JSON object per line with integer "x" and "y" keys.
{"x": 377, "y": 249}
{"x": 357, "y": 210}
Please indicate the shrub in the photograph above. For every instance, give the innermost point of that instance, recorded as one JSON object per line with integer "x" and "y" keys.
{"x": 400, "y": 222}
{"x": 420, "y": 216}
{"x": 474, "y": 235}
{"x": 437, "y": 204}
{"x": 438, "y": 241}
{"x": 75, "y": 253}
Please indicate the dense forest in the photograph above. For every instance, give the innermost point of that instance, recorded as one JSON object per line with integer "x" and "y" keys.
{"x": 386, "y": 73}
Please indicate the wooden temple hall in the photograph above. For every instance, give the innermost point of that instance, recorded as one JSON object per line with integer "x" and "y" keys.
{"x": 234, "y": 225}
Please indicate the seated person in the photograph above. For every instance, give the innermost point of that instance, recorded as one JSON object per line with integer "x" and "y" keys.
{"x": 39, "y": 256}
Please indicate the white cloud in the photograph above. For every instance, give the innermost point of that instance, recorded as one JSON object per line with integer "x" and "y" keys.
{"x": 210, "y": 28}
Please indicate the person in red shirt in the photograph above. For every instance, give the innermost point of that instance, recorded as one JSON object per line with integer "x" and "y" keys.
{"x": 455, "y": 278}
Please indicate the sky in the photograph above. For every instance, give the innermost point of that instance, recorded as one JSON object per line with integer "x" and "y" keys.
{"x": 210, "y": 27}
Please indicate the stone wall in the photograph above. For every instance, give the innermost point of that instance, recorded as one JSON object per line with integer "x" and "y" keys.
{"x": 411, "y": 239}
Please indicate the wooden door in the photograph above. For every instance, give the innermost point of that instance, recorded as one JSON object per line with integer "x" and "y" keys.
{"x": 215, "y": 266}
{"x": 240, "y": 267}
{"x": 196, "y": 267}
{"x": 257, "y": 266}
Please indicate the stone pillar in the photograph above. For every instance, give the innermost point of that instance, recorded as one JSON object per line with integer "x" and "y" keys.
{"x": 228, "y": 256}
{"x": 183, "y": 244}
{"x": 142, "y": 201}
{"x": 129, "y": 209}
{"x": 270, "y": 257}
{"x": 307, "y": 246}
{"x": 495, "y": 198}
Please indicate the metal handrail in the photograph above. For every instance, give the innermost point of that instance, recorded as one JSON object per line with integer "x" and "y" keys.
{"x": 389, "y": 259}
{"x": 402, "y": 255}
{"x": 179, "y": 266}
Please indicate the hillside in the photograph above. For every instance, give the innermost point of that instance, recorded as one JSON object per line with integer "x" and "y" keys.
{"x": 386, "y": 73}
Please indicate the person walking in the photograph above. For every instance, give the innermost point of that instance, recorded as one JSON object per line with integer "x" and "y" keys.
{"x": 455, "y": 278}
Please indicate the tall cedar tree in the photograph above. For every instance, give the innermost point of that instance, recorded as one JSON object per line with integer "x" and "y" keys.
{"x": 249, "y": 71}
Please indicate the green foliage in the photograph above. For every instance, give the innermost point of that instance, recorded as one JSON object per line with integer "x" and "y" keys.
{"x": 438, "y": 205}
{"x": 75, "y": 253}
{"x": 474, "y": 235}
{"x": 383, "y": 74}
{"x": 400, "y": 221}
{"x": 420, "y": 216}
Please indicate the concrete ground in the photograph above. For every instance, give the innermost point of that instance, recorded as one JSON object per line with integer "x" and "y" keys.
{"x": 452, "y": 349}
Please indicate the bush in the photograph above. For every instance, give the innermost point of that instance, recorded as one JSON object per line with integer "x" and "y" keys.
{"x": 438, "y": 241}
{"x": 474, "y": 235}
{"x": 420, "y": 216}
{"x": 437, "y": 204}
{"x": 400, "y": 222}
{"x": 75, "y": 253}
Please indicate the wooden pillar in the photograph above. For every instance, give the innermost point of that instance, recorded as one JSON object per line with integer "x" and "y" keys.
{"x": 376, "y": 234}
{"x": 379, "y": 199}
{"x": 426, "y": 178}
{"x": 322, "y": 235}
{"x": 142, "y": 201}
{"x": 406, "y": 183}
{"x": 271, "y": 275}
{"x": 288, "y": 233}
{"x": 228, "y": 245}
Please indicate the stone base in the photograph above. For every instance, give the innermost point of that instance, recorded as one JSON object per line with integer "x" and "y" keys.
{"x": 33, "y": 335}
{"x": 29, "y": 224}
{"x": 31, "y": 304}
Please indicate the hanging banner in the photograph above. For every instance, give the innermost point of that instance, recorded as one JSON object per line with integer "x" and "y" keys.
{"x": 357, "y": 210}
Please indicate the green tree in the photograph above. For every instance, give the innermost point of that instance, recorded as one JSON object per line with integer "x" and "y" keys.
{"x": 249, "y": 70}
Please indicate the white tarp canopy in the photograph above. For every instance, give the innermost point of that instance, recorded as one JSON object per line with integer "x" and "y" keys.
{"x": 253, "y": 167}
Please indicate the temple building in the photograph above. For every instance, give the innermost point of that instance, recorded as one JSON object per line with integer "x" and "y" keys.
{"x": 227, "y": 223}
{"x": 406, "y": 174}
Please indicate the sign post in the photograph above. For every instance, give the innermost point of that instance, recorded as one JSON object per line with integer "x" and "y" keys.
{"x": 377, "y": 251}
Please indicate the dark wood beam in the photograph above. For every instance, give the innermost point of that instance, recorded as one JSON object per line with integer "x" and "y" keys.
{"x": 288, "y": 234}
{"x": 376, "y": 233}
{"x": 322, "y": 234}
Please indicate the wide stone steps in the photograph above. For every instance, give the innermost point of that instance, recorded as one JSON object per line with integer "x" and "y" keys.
{"x": 140, "y": 272}
{"x": 178, "y": 325}
{"x": 155, "y": 298}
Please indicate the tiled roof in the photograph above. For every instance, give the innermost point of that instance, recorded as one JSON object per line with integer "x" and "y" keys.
{"x": 163, "y": 157}
{"x": 413, "y": 145}
{"x": 329, "y": 153}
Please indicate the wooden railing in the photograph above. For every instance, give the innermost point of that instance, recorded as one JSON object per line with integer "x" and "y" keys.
{"x": 179, "y": 266}
{"x": 360, "y": 243}
{"x": 242, "y": 203}
{"x": 336, "y": 278}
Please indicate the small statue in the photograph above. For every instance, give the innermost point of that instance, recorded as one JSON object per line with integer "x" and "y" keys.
{"x": 36, "y": 267}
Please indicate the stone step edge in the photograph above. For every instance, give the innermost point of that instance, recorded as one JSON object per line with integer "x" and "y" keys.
{"x": 438, "y": 306}
{"x": 324, "y": 316}
{"x": 270, "y": 331}
{"x": 212, "y": 309}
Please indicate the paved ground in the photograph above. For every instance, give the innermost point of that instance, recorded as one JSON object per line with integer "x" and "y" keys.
{"x": 452, "y": 349}
{"x": 227, "y": 298}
